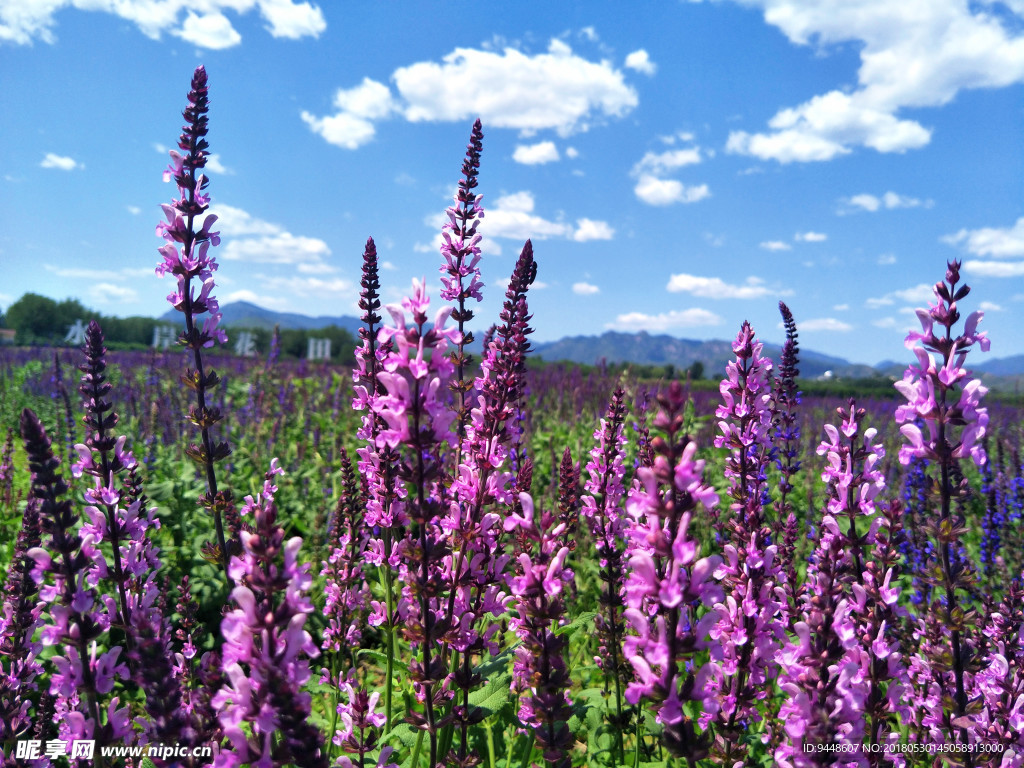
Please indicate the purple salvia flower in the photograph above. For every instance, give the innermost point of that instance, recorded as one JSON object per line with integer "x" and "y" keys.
{"x": 540, "y": 674}
{"x": 999, "y": 684}
{"x": 267, "y": 648}
{"x": 786, "y": 435}
{"x": 103, "y": 456}
{"x": 19, "y": 619}
{"x": 416, "y": 420}
{"x": 74, "y": 621}
{"x": 669, "y": 589}
{"x": 602, "y": 509}
{"x": 345, "y": 592}
{"x": 360, "y": 729}
{"x": 169, "y": 721}
{"x": 7, "y": 496}
{"x": 821, "y": 676}
{"x": 753, "y": 615}
{"x": 475, "y": 571}
{"x": 852, "y": 472}
{"x": 461, "y": 271}
{"x": 186, "y": 257}
{"x": 942, "y": 395}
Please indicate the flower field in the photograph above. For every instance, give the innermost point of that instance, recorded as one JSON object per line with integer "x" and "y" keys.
{"x": 433, "y": 559}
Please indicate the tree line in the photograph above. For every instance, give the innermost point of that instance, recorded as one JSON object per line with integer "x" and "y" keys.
{"x": 42, "y": 321}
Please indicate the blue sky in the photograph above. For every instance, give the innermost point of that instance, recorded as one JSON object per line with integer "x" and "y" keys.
{"x": 680, "y": 166}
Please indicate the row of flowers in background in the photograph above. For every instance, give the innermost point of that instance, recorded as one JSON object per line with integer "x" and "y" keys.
{"x": 729, "y": 627}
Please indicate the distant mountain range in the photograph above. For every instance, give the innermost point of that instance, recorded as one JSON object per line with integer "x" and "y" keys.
{"x": 639, "y": 348}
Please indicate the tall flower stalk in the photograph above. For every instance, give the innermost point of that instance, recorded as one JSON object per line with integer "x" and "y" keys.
{"x": 186, "y": 257}
{"x": 753, "y": 616}
{"x": 461, "y": 272}
{"x": 267, "y": 648}
{"x": 539, "y": 670}
{"x": 669, "y": 589}
{"x": 940, "y": 393}
{"x": 602, "y": 508}
{"x": 74, "y": 621}
{"x": 378, "y": 464}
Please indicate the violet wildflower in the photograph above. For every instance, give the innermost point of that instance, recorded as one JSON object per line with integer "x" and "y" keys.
{"x": 186, "y": 257}
{"x": 602, "y": 509}
{"x": 345, "y": 591}
{"x": 378, "y": 463}
{"x": 7, "y": 495}
{"x": 753, "y": 616}
{"x": 74, "y": 622}
{"x": 999, "y": 684}
{"x": 266, "y": 648}
{"x": 539, "y": 670}
{"x": 103, "y": 456}
{"x": 460, "y": 271}
{"x": 669, "y": 589}
{"x": 19, "y": 619}
{"x": 942, "y": 395}
{"x": 475, "y": 569}
{"x": 360, "y": 731}
{"x": 786, "y": 435}
{"x": 416, "y": 421}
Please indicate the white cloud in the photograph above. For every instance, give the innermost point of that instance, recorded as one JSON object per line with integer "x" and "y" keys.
{"x": 304, "y": 253}
{"x": 655, "y": 191}
{"x": 810, "y": 237}
{"x": 996, "y": 242}
{"x": 841, "y": 307}
{"x": 990, "y": 306}
{"x": 234, "y": 222}
{"x": 352, "y": 126}
{"x": 315, "y": 286}
{"x": 214, "y": 164}
{"x": 919, "y": 294}
{"x": 572, "y": 152}
{"x": 886, "y": 322}
{"x": 865, "y": 201}
{"x": 512, "y": 216}
{"x": 536, "y": 154}
{"x": 110, "y": 293}
{"x": 660, "y": 163}
{"x": 387, "y": 266}
{"x": 716, "y": 288}
{"x": 250, "y": 239}
{"x": 588, "y": 229}
{"x": 585, "y": 289}
{"x": 886, "y": 259}
{"x": 263, "y": 300}
{"x": 825, "y": 324}
{"x": 641, "y": 62}
{"x": 665, "y": 321}
{"x": 134, "y": 210}
{"x": 776, "y": 245}
{"x": 912, "y": 55}
{"x": 556, "y": 90}
{"x": 292, "y": 20}
{"x": 995, "y": 268}
{"x": 60, "y": 162}
{"x": 91, "y": 274}
{"x": 22, "y": 21}
{"x": 211, "y": 30}
{"x": 890, "y": 201}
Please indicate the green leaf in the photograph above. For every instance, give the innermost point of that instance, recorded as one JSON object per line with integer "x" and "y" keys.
{"x": 585, "y": 618}
{"x": 382, "y": 659}
{"x": 147, "y": 763}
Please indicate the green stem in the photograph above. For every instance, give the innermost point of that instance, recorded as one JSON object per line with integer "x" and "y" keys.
{"x": 389, "y": 599}
{"x": 334, "y": 708}
{"x": 416, "y": 752}
{"x": 491, "y": 760}
{"x": 528, "y": 751}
